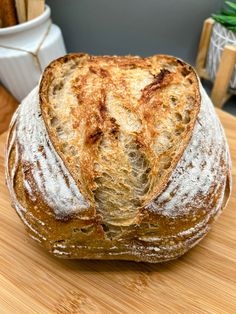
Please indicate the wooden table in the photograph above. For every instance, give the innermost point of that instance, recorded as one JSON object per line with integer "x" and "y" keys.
{"x": 8, "y": 105}
{"x": 203, "y": 281}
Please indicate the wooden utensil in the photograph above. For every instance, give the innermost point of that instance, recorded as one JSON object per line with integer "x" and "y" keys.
{"x": 8, "y": 13}
{"x": 34, "y": 8}
{"x": 0, "y": 14}
{"x": 21, "y": 10}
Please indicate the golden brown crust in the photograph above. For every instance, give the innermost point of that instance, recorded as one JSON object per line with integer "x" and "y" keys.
{"x": 123, "y": 127}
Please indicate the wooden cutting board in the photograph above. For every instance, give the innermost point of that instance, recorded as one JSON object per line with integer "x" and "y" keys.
{"x": 203, "y": 281}
{"x": 8, "y": 105}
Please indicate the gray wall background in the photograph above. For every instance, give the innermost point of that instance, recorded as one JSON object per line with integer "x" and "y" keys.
{"x": 142, "y": 27}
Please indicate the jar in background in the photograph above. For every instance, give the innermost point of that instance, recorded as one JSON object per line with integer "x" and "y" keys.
{"x": 25, "y": 50}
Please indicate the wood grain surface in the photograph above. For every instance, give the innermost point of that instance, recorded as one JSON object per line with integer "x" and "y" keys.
{"x": 8, "y": 105}
{"x": 202, "y": 281}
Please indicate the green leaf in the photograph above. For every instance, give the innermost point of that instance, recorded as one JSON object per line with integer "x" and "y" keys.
{"x": 228, "y": 12}
{"x": 232, "y": 5}
{"x": 224, "y": 19}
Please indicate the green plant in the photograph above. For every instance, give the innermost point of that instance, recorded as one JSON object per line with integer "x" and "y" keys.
{"x": 227, "y": 16}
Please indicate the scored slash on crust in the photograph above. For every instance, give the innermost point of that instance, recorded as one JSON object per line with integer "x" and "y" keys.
{"x": 97, "y": 108}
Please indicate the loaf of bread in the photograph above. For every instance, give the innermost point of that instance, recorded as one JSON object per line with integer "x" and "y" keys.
{"x": 118, "y": 158}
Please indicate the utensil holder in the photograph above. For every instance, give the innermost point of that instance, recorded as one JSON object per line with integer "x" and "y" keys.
{"x": 25, "y": 50}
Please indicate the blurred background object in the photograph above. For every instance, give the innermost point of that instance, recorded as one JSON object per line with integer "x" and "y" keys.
{"x": 216, "y": 60}
{"x": 26, "y": 48}
{"x": 8, "y": 13}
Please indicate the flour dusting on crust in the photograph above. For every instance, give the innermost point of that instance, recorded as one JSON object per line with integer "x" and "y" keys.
{"x": 199, "y": 171}
{"x": 50, "y": 176}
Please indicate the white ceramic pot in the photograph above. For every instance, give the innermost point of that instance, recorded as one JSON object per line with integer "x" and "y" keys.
{"x": 25, "y": 50}
{"x": 220, "y": 37}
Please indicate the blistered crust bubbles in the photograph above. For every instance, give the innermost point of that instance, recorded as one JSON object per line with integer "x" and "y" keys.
{"x": 120, "y": 125}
